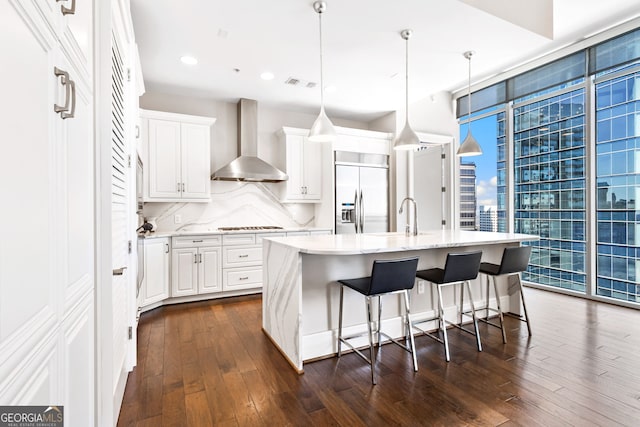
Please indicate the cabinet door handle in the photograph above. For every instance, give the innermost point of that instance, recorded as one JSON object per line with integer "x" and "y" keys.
{"x": 200, "y": 258}
{"x": 119, "y": 271}
{"x": 243, "y": 256}
{"x": 166, "y": 246}
{"x": 195, "y": 258}
{"x": 243, "y": 278}
{"x": 137, "y": 131}
{"x": 197, "y": 241}
{"x": 183, "y": 187}
{"x": 68, "y": 10}
{"x": 71, "y": 113}
{"x": 67, "y": 98}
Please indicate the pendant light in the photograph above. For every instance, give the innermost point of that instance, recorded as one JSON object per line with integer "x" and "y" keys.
{"x": 322, "y": 129}
{"x": 469, "y": 146}
{"x": 407, "y": 139}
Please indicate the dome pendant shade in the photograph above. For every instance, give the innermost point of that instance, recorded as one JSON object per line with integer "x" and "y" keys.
{"x": 407, "y": 140}
{"x": 322, "y": 129}
{"x": 469, "y": 146}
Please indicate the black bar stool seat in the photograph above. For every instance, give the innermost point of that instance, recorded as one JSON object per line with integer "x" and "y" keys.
{"x": 387, "y": 277}
{"x": 459, "y": 269}
{"x": 514, "y": 261}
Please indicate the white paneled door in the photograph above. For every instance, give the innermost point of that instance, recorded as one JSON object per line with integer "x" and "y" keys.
{"x": 46, "y": 187}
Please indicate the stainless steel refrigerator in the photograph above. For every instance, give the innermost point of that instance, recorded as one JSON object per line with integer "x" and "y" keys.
{"x": 362, "y": 193}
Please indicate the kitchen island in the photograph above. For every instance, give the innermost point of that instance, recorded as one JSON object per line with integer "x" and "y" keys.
{"x": 300, "y": 290}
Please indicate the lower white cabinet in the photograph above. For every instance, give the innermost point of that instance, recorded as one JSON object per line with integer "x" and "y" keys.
{"x": 196, "y": 266}
{"x": 155, "y": 285}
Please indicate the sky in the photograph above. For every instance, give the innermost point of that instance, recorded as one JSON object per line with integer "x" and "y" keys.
{"x": 484, "y": 130}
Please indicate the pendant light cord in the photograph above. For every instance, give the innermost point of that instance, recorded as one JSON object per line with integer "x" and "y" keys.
{"x": 469, "y": 92}
{"x": 406, "y": 78}
{"x": 321, "y": 67}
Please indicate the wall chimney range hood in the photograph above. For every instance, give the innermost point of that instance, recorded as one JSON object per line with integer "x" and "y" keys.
{"x": 248, "y": 167}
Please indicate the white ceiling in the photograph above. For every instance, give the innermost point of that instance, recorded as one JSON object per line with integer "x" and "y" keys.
{"x": 363, "y": 50}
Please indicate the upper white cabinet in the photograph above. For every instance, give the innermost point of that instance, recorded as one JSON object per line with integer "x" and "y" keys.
{"x": 304, "y": 166}
{"x": 176, "y": 151}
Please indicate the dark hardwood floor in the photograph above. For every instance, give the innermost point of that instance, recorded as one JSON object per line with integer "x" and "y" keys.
{"x": 209, "y": 363}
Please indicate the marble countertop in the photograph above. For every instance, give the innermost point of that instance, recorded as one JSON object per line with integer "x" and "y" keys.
{"x": 352, "y": 244}
{"x": 158, "y": 234}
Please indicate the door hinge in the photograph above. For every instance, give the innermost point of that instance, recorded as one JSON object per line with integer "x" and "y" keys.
{"x": 444, "y": 222}
{"x": 443, "y": 156}
{"x": 444, "y": 189}
{"x": 129, "y": 246}
{"x": 128, "y": 74}
{"x": 130, "y": 332}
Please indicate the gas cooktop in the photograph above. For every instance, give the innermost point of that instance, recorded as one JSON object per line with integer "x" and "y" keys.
{"x": 251, "y": 227}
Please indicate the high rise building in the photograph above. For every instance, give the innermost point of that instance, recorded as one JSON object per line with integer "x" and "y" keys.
{"x": 488, "y": 218}
{"x": 468, "y": 196}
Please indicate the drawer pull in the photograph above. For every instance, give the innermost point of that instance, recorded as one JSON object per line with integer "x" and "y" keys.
{"x": 197, "y": 241}
{"x": 243, "y": 278}
{"x": 243, "y": 256}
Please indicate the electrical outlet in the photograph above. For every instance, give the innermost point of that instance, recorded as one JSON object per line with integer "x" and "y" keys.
{"x": 177, "y": 219}
{"x": 421, "y": 287}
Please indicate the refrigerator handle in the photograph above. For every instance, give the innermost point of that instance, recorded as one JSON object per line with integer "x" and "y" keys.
{"x": 361, "y": 213}
{"x": 355, "y": 210}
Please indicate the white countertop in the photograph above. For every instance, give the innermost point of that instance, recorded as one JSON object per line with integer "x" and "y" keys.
{"x": 352, "y": 244}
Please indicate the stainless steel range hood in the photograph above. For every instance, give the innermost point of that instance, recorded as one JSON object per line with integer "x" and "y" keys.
{"x": 248, "y": 167}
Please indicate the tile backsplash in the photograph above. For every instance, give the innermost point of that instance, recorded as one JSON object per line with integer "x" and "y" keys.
{"x": 232, "y": 204}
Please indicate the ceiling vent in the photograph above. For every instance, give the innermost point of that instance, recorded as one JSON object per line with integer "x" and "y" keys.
{"x": 299, "y": 82}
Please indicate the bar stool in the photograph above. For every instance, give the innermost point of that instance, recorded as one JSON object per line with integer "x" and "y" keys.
{"x": 459, "y": 269}
{"x": 387, "y": 277}
{"x": 514, "y": 261}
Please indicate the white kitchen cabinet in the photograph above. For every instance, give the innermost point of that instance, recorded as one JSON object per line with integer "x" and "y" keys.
{"x": 303, "y": 165}
{"x": 47, "y": 307}
{"x": 177, "y": 156}
{"x": 196, "y": 266}
{"x": 155, "y": 285}
{"x": 241, "y": 261}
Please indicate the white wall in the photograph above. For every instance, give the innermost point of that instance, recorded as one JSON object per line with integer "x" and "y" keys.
{"x": 263, "y": 197}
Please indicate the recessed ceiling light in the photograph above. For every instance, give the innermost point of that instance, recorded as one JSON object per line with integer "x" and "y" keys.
{"x": 267, "y": 75}
{"x": 189, "y": 60}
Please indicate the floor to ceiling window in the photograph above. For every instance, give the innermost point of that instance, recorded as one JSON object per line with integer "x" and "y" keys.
{"x": 618, "y": 187}
{"x": 482, "y": 178}
{"x": 549, "y": 184}
{"x": 566, "y": 166}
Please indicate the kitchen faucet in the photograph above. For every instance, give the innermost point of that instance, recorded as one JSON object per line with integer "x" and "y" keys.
{"x": 415, "y": 215}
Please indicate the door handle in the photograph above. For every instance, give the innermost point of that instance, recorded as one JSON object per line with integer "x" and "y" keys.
{"x": 355, "y": 204}
{"x": 361, "y": 213}
{"x": 119, "y": 271}
{"x": 167, "y": 248}
{"x": 71, "y": 113}
{"x": 67, "y": 89}
{"x": 68, "y": 10}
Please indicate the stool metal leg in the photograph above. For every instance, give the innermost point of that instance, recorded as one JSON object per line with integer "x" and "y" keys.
{"x": 495, "y": 290}
{"x": 524, "y": 305}
{"x": 372, "y": 354}
{"x": 473, "y": 315}
{"x": 379, "y": 318}
{"x": 407, "y": 325}
{"x": 443, "y": 325}
{"x": 486, "y": 307}
{"x": 340, "y": 321}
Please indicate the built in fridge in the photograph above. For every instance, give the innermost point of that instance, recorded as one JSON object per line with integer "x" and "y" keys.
{"x": 362, "y": 193}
